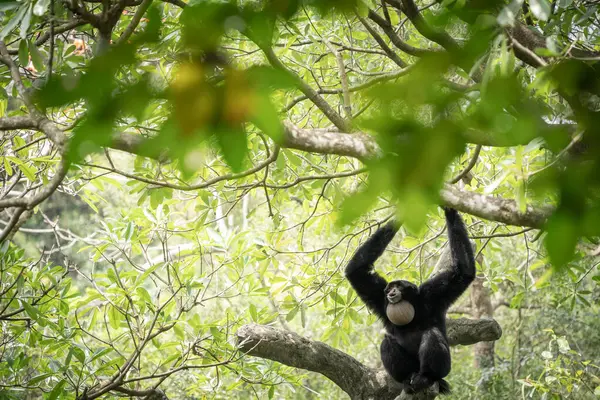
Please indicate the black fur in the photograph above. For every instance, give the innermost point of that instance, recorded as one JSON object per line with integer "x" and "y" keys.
{"x": 415, "y": 354}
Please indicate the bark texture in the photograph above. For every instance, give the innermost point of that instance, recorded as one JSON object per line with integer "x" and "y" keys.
{"x": 356, "y": 379}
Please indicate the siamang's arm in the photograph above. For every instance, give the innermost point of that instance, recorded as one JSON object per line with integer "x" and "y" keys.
{"x": 445, "y": 287}
{"x": 368, "y": 284}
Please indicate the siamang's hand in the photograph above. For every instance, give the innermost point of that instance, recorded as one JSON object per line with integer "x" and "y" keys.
{"x": 394, "y": 223}
{"x": 389, "y": 230}
{"x": 451, "y": 214}
{"x": 448, "y": 210}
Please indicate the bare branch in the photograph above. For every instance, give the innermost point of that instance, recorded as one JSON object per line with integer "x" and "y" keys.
{"x": 57, "y": 31}
{"x": 469, "y": 167}
{"x": 389, "y": 52}
{"x": 16, "y": 76}
{"x": 465, "y": 331}
{"x": 494, "y": 208}
{"x": 17, "y": 122}
{"x": 343, "y": 78}
{"x": 203, "y": 185}
{"x": 24, "y": 204}
{"x": 358, "y": 145}
{"x": 30, "y": 202}
{"x": 362, "y": 86}
{"x": 388, "y": 29}
{"x": 139, "y": 13}
{"x": 438, "y": 36}
{"x": 296, "y": 351}
{"x": 356, "y": 379}
{"x": 309, "y": 92}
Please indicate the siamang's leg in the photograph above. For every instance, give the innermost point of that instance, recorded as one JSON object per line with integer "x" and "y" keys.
{"x": 399, "y": 363}
{"x": 434, "y": 358}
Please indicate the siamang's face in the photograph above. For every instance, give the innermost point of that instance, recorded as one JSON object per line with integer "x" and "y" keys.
{"x": 396, "y": 291}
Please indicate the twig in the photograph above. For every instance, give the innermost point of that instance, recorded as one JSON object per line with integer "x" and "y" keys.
{"x": 139, "y": 13}
{"x": 343, "y": 78}
{"x": 470, "y": 166}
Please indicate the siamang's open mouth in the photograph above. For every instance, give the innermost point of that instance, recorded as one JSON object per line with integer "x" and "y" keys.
{"x": 394, "y": 298}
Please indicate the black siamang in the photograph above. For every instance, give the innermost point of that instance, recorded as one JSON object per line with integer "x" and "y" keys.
{"x": 415, "y": 349}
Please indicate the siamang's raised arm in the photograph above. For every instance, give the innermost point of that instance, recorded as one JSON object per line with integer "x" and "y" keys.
{"x": 368, "y": 284}
{"x": 445, "y": 287}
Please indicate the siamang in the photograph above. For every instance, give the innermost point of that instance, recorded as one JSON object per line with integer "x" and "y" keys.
{"x": 415, "y": 349}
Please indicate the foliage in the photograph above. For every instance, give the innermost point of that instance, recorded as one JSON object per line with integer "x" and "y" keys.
{"x": 172, "y": 171}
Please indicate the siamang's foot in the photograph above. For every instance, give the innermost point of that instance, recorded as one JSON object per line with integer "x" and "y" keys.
{"x": 419, "y": 382}
{"x": 406, "y": 383}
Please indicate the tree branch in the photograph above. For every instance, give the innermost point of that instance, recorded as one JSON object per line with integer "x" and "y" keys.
{"x": 358, "y": 145}
{"x": 362, "y": 146}
{"x": 305, "y": 88}
{"x": 57, "y": 31}
{"x": 17, "y": 122}
{"x": 388, "y": 29}
{"x": 353, "y": 377}
{"x": 494, "y": 208}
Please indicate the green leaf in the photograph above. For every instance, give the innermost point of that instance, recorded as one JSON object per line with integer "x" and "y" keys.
{"x": 506, "y": 17}
{"x": 100, "y": 353}
{"x": 8, "y": 5}
{"x": 33, "y": 312}
{"x": 26, "y": 22}
{"x": 233, "y": 146}
{"x": 292, "y": 313}
{"x": 179, "y": 331}
{"x": 541, "y": 9}
{"x": 79, "y": 354}
{"x": 41, "y": 7}
{"x": 561, "y": 238}
{"x": 13, "y": 21}
{"x": 337, "y": 298}
{"x": 147, "y": 272}
{"x": 144, "y": 295}
{"x": 7, "y": 166}
{"x": 23, "y": 52}
{"x": 253, "y": 313}
{"x": 129, "y": 231}
{"x": 358, "y": 204}
{"x": 57, "y": 391}
{"x": 360, "y": 35}
{"x": 563, "y": 345}
{"x": 39, "y": 378}
{"x": 114, "y": 317}
{"x": 36, "y": 57}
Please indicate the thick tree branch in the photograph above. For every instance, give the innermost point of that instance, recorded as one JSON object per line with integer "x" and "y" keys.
{"x": 465, "y": 331}
{"x": 494, "y": 208}
{"x": 296, "y": 351}
{"x": 363, "y": 146}
{"x": 353, "y": 377}
{"x": 358, "y": 145}
{"x": 17, "y": 122}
